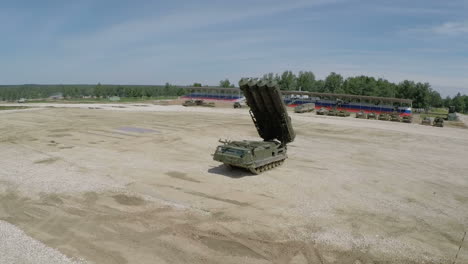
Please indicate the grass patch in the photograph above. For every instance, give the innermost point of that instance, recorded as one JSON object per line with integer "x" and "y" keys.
{"x": 12, "y": 107}
{"x": 439, "y": 111}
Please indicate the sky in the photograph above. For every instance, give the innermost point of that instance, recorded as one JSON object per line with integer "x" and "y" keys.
{"x": 182, "y": 42}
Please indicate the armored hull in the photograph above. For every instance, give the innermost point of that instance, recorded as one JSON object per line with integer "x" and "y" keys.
{"x": 273, "y": 124}
{"x": 343, "y": 113}
{"x": 256, "y": 156}
{"x": 322, "y": 111}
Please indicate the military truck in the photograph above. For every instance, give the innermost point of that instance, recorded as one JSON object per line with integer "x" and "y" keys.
{"x": 371, "y": 115}
{"x": 361, "y": 114}
{"x": 384, "y": 116}
{"x": 343, "y": 113}
{"x": 426, "y": 121}
{"x": 438, "y": 122}
{"x": 198, "y": 103}
{"x": 304, "y": 108}
{"x": 322, "y": 111}
{"x": 407, "y": 119}
{"x": 273, "y": 124}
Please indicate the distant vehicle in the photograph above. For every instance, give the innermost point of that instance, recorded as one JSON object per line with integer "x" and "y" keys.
{"x": 198, "y": 103}
{"x": 343, "y": 113}
{"x": 322, "y": 111}
{"x": 333, "y": 112}
{"x": 426, "y": 121}
{"x": 371, "y": 115}
{"x": 407, "y": 119}
{"x": 395, "y": 117}
{"x": 384, "y": 117}
{"x": 304, "y": 108}
{"x": 22, "y": 100}
{"x": 438, "y": 122}
{"x": 361, "y": 114}
{"x": 237, "y": 105}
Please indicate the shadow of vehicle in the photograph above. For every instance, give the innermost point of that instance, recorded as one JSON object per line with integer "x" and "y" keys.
{"x": 231, "y": 172}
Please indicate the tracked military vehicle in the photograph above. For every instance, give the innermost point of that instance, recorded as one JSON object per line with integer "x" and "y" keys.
{"x": 343, "y": 113}
{"x": 395, "y": 117}
{"x": 361, "y": 114}
{"x": 371, "y": 115}
{"x": 332, "y": 112}
{"x": 273, "y": 124}
{"x": 438, "y": 122}
{"x": 384, "y": 116}
{"x": 304, "y": 108}
{"x": 322, "y": 111}
{"x": 407, "y": 119}
{"x": 198, "y": 103}
{"x": 426, "y": 121}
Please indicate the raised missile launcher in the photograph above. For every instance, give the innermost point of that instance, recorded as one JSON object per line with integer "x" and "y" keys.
{"x": 273, "y": 124}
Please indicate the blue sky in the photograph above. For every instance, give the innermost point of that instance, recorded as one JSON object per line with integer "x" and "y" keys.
{"x": 181, "y": 42}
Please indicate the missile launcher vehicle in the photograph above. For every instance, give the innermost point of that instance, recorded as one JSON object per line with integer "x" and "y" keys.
{"x": 270, "y": 117}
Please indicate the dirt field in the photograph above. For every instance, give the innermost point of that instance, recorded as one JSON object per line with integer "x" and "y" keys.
{"x": 137, "y": 184}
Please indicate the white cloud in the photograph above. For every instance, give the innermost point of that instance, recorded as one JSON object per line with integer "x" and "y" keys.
{"x": 452, "y": 28}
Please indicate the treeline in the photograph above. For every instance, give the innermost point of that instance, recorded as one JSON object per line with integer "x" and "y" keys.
{"x": 422, "y": 94}
{"x": 460, "y": 102}
{"x": 32, "y": 91}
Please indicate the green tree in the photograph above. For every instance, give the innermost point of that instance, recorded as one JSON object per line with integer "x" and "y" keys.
{"x": 197, "y": 85}
{"x": 306, "y": 81}
{"x": 333, "y": 82}
{"x": 288, "y": 81}
{"x": 225, "y": 83}
{"x": 459, "y": 103}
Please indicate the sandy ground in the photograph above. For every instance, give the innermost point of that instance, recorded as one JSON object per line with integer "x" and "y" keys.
{"x": 137, "y": 184}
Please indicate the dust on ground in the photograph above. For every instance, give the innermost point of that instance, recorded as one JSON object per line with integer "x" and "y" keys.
{"x": 352, "y": 190}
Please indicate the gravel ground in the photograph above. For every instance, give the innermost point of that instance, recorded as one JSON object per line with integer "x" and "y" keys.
{"x": 17, "y": 247}
{"x": 137, "y": 184}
